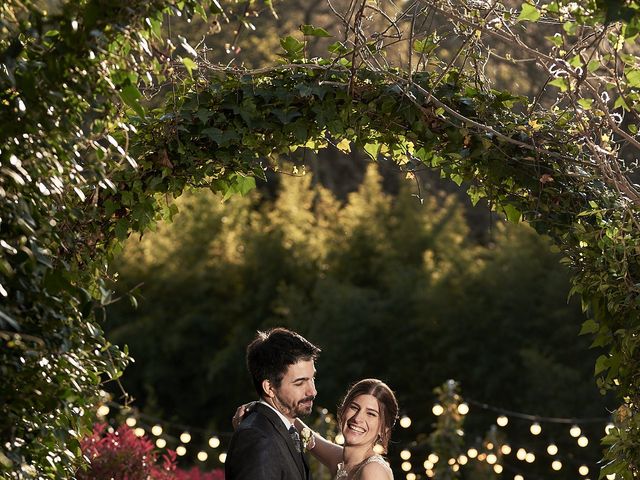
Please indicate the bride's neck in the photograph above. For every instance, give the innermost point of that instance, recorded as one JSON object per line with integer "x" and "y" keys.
{"x": 353, "y": 456}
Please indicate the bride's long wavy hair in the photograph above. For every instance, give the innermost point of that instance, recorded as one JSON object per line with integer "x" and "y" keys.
{"x": 386, "y": 402}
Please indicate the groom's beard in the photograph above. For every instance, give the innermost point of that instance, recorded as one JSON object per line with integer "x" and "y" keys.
{"x": 294, "y": 410}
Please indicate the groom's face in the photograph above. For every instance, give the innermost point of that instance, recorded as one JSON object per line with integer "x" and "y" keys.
{"x": 297, "y": 390}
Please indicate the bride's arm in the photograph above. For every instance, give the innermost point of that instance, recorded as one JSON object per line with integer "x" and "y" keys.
{"x": 328, "y": 453}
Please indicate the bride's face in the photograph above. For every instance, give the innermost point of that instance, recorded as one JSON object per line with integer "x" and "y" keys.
{"x": 361, "y": 424}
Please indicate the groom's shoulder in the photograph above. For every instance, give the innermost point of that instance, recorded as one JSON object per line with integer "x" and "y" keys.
{"x": 256, "y": 420}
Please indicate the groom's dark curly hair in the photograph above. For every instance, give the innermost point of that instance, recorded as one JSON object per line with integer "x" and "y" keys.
{"x": 270, "y": 354}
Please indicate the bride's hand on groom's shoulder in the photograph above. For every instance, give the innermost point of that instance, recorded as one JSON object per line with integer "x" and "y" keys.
{"x": 241, "y": 411}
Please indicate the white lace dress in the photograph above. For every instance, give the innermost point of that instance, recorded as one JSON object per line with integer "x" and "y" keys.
{"x": 343, "y": 474}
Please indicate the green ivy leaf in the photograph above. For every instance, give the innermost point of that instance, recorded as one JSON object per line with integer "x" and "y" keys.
{"x": 293, "y": 48}
{"x": 190, "y": 65}
{"x": 311, "y": 31}
{"x": 131, "y": 97}
{"x": 529, "y": 13}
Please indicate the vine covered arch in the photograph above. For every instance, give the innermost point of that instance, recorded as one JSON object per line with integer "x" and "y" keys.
{"x": 83, "y": 165}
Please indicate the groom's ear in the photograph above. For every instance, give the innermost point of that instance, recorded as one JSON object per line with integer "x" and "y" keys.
{"x": 267, "y": 388}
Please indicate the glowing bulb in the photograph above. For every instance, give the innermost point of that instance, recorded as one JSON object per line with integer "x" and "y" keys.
{"x": 433, "y": 458}
{"x": 222, "y": 457}
{"x": 489, "y": 445}
{"x": 505, "y": 449}
{"x": 452, "y": 461}
{"x": 378, "y": 449}
{"x": 518, "y": 477}
{"x": 462, "y": 460}
{"x": 411, "y": 476}
{"x": 497, "y": 469}
{"x": 405, "y": 422}
{"x": 491, "y": 459}
{"x": 340, "y": 439}
{"x": 139, "y": 432}
{"x": 463, "y": 409}
{"x": 406, "y": 466}
{"x": 161, "y": 443}
{"x": 430, "y": 473}
{"x": 552, "y": 449}
{"x": 181, "y": 451}
{"x": 583, "y": 441}
{"x": 214, "y": 442}
{"x": 482, "y": 457}
{"x": 535, "y": 429}
{"x": 583, "y": 470}
{"x": 185, "y": 437}
{"x": 437, "y": 410}
{"x": 202, "y": 456}
{"x": 131, "y": 422}
{"x": 156, "y": 430}
{"x": 502, "y": 421}
{"x": 530, "y": 458}
{"x": 611, "y": 476}
{"x": 608, "y": 428}
{"x": 455, "y": 467}
{"x": 575, "y": 431}
{"x": 556, "y": 465}
{"x": 405, "y": 454}
{"x": 521, "y": 454}
{"x": 428, "y": 465}
{"x": 103, "y": 411}
{"x": 472, "y": 452}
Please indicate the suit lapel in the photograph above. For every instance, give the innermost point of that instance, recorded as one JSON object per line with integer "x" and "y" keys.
{"x": 279, "y": 427}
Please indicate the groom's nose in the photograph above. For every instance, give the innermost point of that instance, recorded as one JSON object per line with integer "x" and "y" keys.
{"x": 311, "y": 390}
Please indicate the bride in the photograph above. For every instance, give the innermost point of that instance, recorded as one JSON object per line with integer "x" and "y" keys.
{"x": 365, "y": 417}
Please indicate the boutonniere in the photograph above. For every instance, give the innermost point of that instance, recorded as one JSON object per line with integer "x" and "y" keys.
{"x": 308, "y": 440}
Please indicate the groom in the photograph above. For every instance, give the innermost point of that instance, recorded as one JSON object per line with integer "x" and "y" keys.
{"x": 266, "y": 446}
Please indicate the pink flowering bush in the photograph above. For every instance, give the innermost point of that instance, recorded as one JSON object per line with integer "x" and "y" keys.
{"x": 122, "y": 455}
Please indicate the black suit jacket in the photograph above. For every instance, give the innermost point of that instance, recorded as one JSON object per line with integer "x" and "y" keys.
{"x": 262, "y": 449}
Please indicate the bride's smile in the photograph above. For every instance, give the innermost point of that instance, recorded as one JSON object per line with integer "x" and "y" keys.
{"x": 362, "y": 423}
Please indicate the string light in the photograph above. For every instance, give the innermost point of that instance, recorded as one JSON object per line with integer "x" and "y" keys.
{"x": 489, "y": 446}
{"x": 433, "y": 458}
{"x": 556, "y": 465}
{"x": 462, "y": 460}
{"x": 214, "y": 442}
{"x": 530, "y": 458}
{"x": 455, "y": 468}
{"x": 427, "y": 465}
{"x": 535, "y": 429}
{"x": 161, "y": 443}
{"x": 452, "y": 461}
{"x": 411, "y": 476}
{"x": 430, "y": 473}
{"x": 185, "y": 437}
{"x": 156, "y": 430}
{"x": 502, "y": 421}
{"x": 405, "y": 422}
{"x": 202, "y": 456}
{"x": 583, "y": 470}
{"x": 437, "y": 410}
{"x": 482, "y": 457}
{"x": 406, "y": 466}
{"x": 611, "y": 476}
{"x": 491, "y": 459}
{"x": 497, "y": 468}
{"x": 131, "y": 422}
{"x": 103, "y": 411}
{"x": 505, "y": 449}
{"x": 583, "y": 441}
{"x": 575, "y": 431}
{"x": 378, "y": 449}
{"x": 552, "y": 449}
{"x": 463, "y": 408}
{"x": 181, "y": 451}
{"x": 222, "y": 457}
{"x": 405, "y": 454}
{"x": 340, "y": 439}
{"x": 472, "y": 452}
{"x": 518, "y": 477}
{"x": 139, "y": 432}
{"x": 521, "y": 454}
